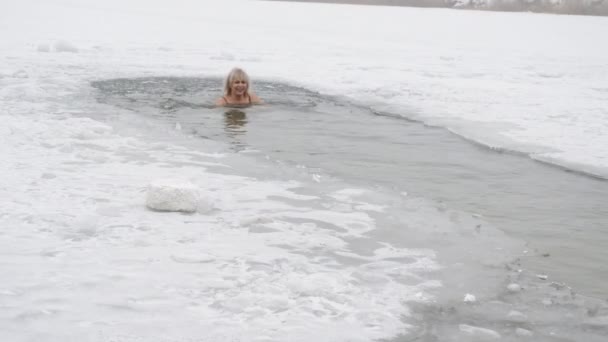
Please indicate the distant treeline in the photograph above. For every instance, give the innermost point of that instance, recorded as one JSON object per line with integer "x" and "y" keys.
{"x": 587, "y": 7}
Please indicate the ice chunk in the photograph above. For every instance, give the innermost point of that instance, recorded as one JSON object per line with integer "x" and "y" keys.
{"x": 469, "y": 298}
{"x": 186, "y": 258}
{"x": 514, "y": 287}
{"x": 523, "y": 332}
{"x": 64, "y": 46}
{"x": 479, "y": 332}
{"x": 516, "y": 316}
{"x": 172, "y": 195}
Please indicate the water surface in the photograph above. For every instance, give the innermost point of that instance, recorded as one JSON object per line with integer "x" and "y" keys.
{"x": 558, "y": 214}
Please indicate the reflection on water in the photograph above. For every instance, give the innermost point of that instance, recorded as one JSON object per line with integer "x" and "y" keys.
{"x": 234, "y": 126}
{"x": 235, "y": 121}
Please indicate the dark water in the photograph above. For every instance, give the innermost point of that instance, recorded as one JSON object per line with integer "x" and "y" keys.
{"x": 560, "y": 215}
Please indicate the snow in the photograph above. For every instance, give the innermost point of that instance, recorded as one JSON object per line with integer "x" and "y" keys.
{"x": 517, "y": 317}
{"x": 514, "y": 287}
{"x": 84, "y": 260}
{"x": 523, "y": 332}
{"x": 469, "y": 298}
{"x": 172, "y": 195}
{"x": 63, "y": 46}
{"x": 477, "y": 332}
{"x": 471, "y": 72}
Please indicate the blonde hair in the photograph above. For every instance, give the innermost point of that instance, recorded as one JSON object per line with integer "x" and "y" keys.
{"x": 236, "y": 74}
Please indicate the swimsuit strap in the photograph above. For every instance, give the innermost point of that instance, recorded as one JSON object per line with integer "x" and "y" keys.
{"x": 225, "y": 99}
{"x": 249, "y": 96}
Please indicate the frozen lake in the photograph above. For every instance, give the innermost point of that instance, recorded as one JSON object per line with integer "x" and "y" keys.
{"x": 343, "y": 211}
{"x": 390, "y": 156}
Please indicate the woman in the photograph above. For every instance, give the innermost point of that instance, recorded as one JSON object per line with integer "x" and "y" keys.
{"x": 236, "y": 91}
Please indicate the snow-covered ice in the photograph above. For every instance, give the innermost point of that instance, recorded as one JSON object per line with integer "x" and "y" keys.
{"x": 84, "y": 260}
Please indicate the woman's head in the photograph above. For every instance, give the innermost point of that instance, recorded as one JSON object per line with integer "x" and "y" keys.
{"x": 237, "y": 83}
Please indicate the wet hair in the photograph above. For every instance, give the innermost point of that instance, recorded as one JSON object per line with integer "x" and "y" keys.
{"x": 236, "y": 74}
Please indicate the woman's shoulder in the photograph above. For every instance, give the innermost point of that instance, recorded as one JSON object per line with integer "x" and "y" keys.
{"x": 221, "y": 101}
{"x": 255, "y": 99}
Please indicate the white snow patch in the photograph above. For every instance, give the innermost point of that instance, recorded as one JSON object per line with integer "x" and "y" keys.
{"x": 469, "y": 298}
{"x": 514, "y": 287}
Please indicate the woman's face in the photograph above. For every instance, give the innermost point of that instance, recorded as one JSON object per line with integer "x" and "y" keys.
{"x": 238, "y": 87}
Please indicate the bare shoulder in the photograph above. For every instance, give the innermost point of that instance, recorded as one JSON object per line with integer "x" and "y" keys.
{"x": 220, "y": 102}
{"x": 256, "y": 99}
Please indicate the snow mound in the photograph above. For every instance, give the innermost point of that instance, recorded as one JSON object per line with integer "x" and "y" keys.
{"x": 64, "y": 46}
{"x": 43, "y": 48}
{"x": 172, "y": 195}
